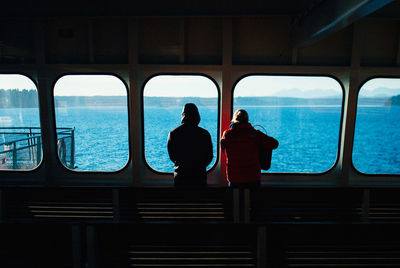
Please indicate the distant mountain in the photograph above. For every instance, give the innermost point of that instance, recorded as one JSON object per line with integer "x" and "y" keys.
{"x": 395, "y": 101}
{"x": 380, "y": 92}
{"x": 285, "y": 101}
{"x": 307, "y": 94}
{"x": 363, "y": 101}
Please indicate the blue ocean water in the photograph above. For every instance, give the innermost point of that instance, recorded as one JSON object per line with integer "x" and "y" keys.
{"x": 101, "y": 136}
{"x": 377, "y": 140}
{"x": 308, "y": 136}
{"x": 158, "y": 121}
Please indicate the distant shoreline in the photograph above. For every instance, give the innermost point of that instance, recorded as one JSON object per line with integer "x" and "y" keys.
{"x": 118, "y": 101}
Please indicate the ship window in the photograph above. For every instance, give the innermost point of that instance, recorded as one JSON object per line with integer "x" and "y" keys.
{"x": 20, "y": 133}
{"x": 302, "y": 112}
{"x": 163, "y": 99}
{"x": 92, "y": 122}
{"x": 376, "y": 148}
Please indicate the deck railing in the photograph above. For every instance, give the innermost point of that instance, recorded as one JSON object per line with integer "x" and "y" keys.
{"x": 21, "y": 147}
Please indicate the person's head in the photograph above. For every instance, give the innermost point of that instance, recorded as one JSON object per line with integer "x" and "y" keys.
{"x": 240, "y": 116}
{"x": 190, "y": 114}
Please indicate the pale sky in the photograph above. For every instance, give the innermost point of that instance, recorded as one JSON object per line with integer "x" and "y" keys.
{"x": 180, "y": 85}
{"x": 392, "y": 83}
{"x": 15, "y": 81}
{"x": 89, "y": 85}
{"x": 263, "y": 85}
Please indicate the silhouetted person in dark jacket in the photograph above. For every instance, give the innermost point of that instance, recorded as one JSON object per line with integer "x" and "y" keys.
{"x": 190, "y": 148}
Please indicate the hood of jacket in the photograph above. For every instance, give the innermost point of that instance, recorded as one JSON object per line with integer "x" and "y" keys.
{"x": 190, "y": 114}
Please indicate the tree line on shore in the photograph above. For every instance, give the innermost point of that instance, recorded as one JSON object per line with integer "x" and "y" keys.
{"x": 14, "y": 98}
{"x": 395, "y": 101}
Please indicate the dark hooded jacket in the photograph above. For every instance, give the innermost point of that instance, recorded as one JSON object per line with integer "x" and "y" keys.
{"x": 190, "y": 148}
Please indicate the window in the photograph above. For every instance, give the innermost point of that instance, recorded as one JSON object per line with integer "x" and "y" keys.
{"x": 302, "y": 112}
{"x": 376, "y": 148}
{"x": 163, "y": 99}
{"x": 20, "y": 133}
{"x": 92, "y": 122}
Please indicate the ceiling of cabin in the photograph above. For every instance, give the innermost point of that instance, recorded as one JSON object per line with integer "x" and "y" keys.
{"x": 158, "y": 7}
{"x": 30, "y": 8}
{"x": 312, "y": 19}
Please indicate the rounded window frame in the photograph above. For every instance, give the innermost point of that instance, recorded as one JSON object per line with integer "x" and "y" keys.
{"x": 100, "y": 172}
{"x": 217, "y": 156}
{"x": 37, "y": 167}
{"x": 374, "y": 176}
{"x": 299, "y": 174}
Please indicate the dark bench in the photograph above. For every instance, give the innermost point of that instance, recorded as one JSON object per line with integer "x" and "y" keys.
{"x": 141, "y": 227}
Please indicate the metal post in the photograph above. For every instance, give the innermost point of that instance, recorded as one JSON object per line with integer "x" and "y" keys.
{"x": 14, "y": 155}
{"x": 76, "y": 246}
{"x": 30, "y": 145}
{"x": 262, "y": 247}
{"x": 236, "y": 205}
{"x": 1, "y": 205}
{"x": 366, "y": 205}
{"x": 38, "y": 150}
{"x": 91, "y": 246}
{"x": 72, "y": 163}
{"x": 116, "y": 207}
{"x": 246, "y": 205}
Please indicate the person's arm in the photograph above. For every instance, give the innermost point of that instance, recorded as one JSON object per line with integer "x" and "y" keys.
{"x": 268, "y": 142}
{"x": 209, "y": 150}
{"x": 223, "y": 142}
{"x": 171, "y": 148}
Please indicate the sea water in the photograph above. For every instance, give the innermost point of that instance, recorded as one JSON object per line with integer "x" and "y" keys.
{"x": 308, "y": 136}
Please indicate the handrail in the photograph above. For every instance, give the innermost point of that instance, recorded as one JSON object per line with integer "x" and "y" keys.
{"x": 32, "y": 142}
{"x": 10, "y": 142}
{"x": 65, "y": 128}
{"x": 64, "y": 131}
{"x": 19, "y": 148}
{"x": 20, "y": 128}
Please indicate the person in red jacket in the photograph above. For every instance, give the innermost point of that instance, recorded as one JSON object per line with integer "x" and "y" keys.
{"x": 241, "y": 144}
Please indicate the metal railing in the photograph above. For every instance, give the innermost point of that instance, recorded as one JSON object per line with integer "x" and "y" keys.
{"x": 21, "y": 147}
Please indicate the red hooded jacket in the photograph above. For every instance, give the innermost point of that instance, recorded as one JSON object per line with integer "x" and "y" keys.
{"x": 241, "y": 146}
